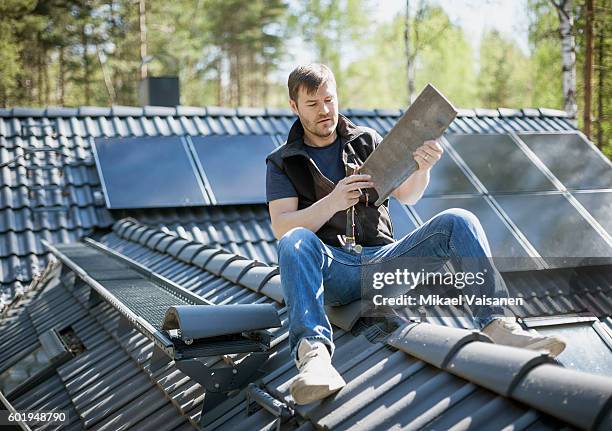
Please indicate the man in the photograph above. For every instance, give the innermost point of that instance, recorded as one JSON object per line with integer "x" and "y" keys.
{"x": 311, "y": 182}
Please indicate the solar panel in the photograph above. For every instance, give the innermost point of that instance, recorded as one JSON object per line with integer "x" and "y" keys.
{"x": 234, "y": 166}
{"x": 572, "y": 160}
{"x": 499, "y": 163}
{"x": 447, "y": 178}
{"x": 554, "y": 227}
{"x": 402, "y": 223}
{"x": 502, "y": 241}
{"x": 147, "y": 172}
{"x": 599, "y": 204}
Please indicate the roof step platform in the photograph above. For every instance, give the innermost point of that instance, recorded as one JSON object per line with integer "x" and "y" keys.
{"x": 183, "y": 326}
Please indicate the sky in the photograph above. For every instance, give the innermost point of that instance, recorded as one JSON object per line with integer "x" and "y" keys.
{"x": 509, "y": 17}
{"x": 475, "y": 16}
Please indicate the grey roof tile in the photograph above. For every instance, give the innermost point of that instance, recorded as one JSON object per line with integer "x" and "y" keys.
{"x": 280, "y": 112}
{"x": 220, "y": 111}
{"x": 256, "y": 277}
{"x": 148, "y": 234}
{"x": 151, "y": 111}
{"x": 202, "y": 258}
{"x": 137, "y": 233}
{"x": 190, "y": 111}
{"x": 155, "y": 239}
{"x": 190, "y": 251}
{"x": 579, "y": 398}
{"x": 344, "y": 316}
{"x": 250, "y": 112}
{"x": 59, "y": 111}
{"x": 236, "y": 268}
{"x": 531, "y": 112}
{"x": 94, "y": 111}
{"x": 498, "y": 369}
{"x": 126, "y": 111}
{"x": 219, "y": 261}
{"x": 272, "y": 289}
{"x": 481, "y": 112}
{"x": 177, "y": 246}
{"x": 526, "y": 376}
{"x": 509, "y": 112}
{"x": 27, "y": 112}
{"x": 433, "y": 343}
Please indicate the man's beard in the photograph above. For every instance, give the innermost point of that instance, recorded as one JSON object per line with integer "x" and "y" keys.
{"x": 316, "y": 132}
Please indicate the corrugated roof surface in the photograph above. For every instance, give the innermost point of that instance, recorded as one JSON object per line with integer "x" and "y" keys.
{"x": 57, "y": 195}
{"x": 406, "y": 381}
{"x": 101, "y": 388}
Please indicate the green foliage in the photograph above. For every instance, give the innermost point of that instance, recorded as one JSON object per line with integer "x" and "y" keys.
{"x": 504, "y": 76}
{"x": 231, "y": 52}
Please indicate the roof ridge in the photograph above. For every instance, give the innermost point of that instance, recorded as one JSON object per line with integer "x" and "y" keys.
{"x": 199, "y": 111}
{"x": 249, "y": 273}
{"x": 252, "y": 274}
{"x": 579, "y": 398}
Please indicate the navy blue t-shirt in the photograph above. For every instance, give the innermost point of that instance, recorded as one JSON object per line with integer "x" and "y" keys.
{"x": 328, "y": 159}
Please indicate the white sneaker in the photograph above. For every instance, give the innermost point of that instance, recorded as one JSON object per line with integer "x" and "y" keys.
{"x": 506, "y": 331}
{"x": 317, "y": 378}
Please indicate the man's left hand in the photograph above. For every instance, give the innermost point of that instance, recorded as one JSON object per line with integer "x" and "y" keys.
{"x": 428, "y": 154}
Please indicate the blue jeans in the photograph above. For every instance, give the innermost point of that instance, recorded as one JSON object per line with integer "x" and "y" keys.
{"x": 314, "y": 274}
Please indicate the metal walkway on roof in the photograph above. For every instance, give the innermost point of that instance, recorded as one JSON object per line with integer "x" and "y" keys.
{"x": 183, "y": 326}
{"x": 145, "y": 298}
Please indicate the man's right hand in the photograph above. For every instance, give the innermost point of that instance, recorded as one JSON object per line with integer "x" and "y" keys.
{"x": 346, "y": 193}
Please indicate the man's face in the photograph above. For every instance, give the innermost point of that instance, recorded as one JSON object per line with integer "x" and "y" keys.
{"x": 318, "y": 112}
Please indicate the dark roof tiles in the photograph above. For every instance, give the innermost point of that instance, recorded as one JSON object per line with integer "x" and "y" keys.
{"x": 188, "y": 252}
{"x": 217, "y": 264}
{"x": 582, "y": 399}
{"x": 498, "y": 369}
{"x": 155, "y": 239}
{"x": 236, "y": 269}
{"x": 256, "y": 277}
{"x": 202, "y": 258}
{"x": 177, "y": 247}
{"x": 433, "y": 343}
{"x": 272, "y": 289}
{"x": 531, "y": 377}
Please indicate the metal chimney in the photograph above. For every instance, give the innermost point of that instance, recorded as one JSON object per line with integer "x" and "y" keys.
{"x": 159, "y": 91}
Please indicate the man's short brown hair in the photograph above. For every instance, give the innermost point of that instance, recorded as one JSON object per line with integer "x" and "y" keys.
{"x": 311, "y": 77}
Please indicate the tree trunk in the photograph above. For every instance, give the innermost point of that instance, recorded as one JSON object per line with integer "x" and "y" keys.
{"x": 39, "y": 77}
{"x": 409, "y": 56}
{"x": 86, "y": 79}
{"x": 588, "y": 67}
{"x": 143, "y": 37}
{"x": 568, "y": 55}
{"x": 219, "y": 83}
{"x": 600, "y": 85}
{"x": 60, "y": 78}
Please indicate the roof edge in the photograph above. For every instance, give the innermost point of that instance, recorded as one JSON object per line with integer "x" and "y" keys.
{"x": 214, "y": 111}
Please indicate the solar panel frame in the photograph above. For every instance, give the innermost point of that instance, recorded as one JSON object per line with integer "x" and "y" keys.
{"x": 157, "y": 189}
{"x": 602, "y": 213}
{"x": 516, "y": 164}
{"x": 585, "y": 159}
{"x": 545, "y": 231}
{"x": 453, "y": 174}
{"x": 504, "y": 242}
{"x": 234, "y": 185}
